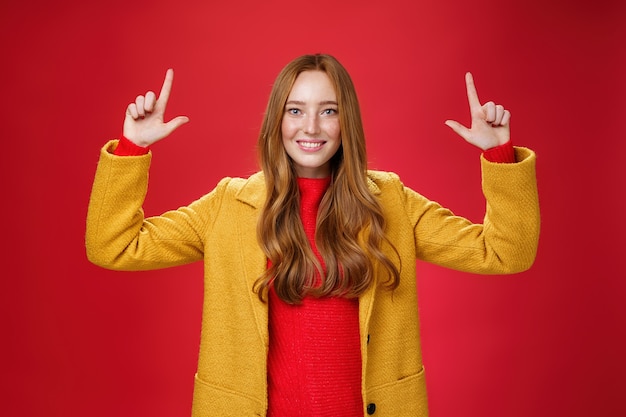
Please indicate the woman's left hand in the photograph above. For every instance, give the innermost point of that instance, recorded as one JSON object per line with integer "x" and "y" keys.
{"x": 490, "y": 121}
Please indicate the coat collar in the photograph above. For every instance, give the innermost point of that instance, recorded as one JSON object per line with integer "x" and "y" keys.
{"x": 253, "y": 192}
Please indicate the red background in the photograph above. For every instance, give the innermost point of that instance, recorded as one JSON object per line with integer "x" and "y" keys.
{"x": 79, "y": 340}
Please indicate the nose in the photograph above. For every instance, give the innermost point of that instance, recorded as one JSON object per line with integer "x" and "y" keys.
{"x": 311, "y": 124}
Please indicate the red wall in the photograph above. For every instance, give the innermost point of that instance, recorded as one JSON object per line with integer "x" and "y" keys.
{"x": 79, "y": 340}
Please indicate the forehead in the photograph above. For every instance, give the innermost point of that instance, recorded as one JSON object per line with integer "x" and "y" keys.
{"x": 313, "y": 84}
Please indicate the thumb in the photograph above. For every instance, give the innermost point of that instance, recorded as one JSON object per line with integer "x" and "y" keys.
{"x": 458, "y": 128}
{"x": 175, "y": 123}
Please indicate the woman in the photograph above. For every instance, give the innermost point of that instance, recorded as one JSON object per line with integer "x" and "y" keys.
{"x": 310, "y": 303}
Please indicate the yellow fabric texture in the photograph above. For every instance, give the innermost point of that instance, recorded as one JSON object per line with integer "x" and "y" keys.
{"x": 220, "y": 229}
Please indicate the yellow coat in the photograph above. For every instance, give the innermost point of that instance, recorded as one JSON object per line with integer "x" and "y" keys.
{"x": 220, "y": 229}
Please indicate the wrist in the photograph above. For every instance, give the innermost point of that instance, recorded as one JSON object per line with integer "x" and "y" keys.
{"x": 125, "y": 147}
{"x": 501, "y": 154}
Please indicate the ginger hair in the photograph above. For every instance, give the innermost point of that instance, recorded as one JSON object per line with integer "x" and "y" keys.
{"x": 350, "y": 223}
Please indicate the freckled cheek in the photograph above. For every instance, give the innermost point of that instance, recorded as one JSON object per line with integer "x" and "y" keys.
{"x": 287, "y": 130}
{"x": 333, "y": 130}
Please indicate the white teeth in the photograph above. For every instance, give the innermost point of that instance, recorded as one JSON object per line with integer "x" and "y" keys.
{"x": 310, "y": 145}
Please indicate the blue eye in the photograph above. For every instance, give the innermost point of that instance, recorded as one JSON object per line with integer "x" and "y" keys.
{"x": 293, "y": 111}
{"x": 329, "y": 111}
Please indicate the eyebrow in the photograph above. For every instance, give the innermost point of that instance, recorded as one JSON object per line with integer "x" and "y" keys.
{"x": 321, "y": 103}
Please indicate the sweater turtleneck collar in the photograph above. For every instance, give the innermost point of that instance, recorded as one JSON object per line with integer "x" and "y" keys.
{"x": 312, "y": 190}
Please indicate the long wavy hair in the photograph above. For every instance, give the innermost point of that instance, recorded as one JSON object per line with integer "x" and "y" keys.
{"x": 350, "y": 224}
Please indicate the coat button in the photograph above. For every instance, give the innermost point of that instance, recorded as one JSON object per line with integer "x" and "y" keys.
{"x": 371, "y": 408}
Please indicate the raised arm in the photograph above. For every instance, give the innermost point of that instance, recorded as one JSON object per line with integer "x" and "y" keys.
{"x": 117, "y": 234}
{"x": 506, "y": 241}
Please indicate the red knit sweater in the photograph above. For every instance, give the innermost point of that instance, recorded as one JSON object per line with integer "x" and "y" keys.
{"x": 314, "y": 361}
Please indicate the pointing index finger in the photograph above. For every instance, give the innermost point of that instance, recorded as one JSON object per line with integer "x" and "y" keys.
{"x": 164, "y": 95}
{"x": 472, "y": 94}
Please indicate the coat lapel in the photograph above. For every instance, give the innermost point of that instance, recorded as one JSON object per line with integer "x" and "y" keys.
{"x": 366, "y": 301}
{"x": 254, "y": 261}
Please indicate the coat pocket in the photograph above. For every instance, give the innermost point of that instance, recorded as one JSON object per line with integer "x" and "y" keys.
{"x": 212, "y": 400}
{"x": 402, "y": 398}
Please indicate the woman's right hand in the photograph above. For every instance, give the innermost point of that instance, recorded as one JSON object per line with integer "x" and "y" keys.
{"x": 144, "y": 124}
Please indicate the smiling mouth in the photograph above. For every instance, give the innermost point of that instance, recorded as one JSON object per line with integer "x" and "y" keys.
{"x": 310, "y": 145}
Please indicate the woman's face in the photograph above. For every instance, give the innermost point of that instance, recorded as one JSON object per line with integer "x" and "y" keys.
{"x": 310, "y": 126}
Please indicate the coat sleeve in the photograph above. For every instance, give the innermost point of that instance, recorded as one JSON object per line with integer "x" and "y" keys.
{"x": 506, "y": 242}
{"x": 117, "y": 234}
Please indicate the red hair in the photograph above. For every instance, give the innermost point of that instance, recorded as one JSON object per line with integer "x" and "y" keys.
{"x": 350, "y": 224}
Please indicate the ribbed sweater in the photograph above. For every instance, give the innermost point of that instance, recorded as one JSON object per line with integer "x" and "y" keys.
{"x": 314, "y": 360}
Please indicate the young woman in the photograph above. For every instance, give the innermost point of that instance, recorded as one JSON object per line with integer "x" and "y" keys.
{"x": 310, "y": 305}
